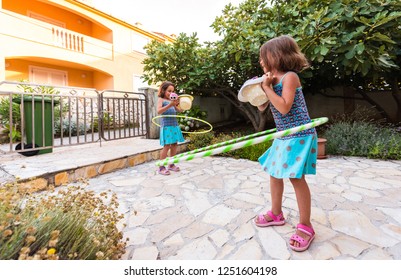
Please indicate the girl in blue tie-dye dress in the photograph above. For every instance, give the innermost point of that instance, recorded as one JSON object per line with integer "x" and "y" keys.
{"x": 292, "y": 156}
{"x": 170, "y": 132}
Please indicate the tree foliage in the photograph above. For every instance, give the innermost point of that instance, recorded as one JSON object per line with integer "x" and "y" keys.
{"x": 355, "y": 43}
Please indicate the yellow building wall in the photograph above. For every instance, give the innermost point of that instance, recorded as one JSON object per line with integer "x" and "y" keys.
{"x": 107, "y": 61}
{"x": 18, "y": 70}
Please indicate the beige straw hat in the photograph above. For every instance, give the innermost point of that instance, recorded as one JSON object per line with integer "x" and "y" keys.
{"x": 185, "y": 101}
{"x": 252, "y": 92}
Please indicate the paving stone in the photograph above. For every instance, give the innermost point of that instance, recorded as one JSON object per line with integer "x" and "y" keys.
{"x": 205, "y": 211}
{"x": 350, "y": 246}
{"x": 196, "y": 230}
{"x": 376, "y": 254}
{"x": 174, "y": 240}
{"x": 358, "y": 225}
{"x": 325, "y": 251}
{"x": 393, "y": 213}
{"x": 200, "y": 249}
{"x": 145, "y": 253}
{"x": 137, "y": 218}
{"x": 220, "y": 215}
{"x": 136, "y": 236}
{"x": 244, "y": 232}
{"x": 219, "y": 237}
{"x": 273, "y": 244}
{"x": 162, "y": 231}
{"x": 249, "y": 251}
{"x": 197, "y": 202}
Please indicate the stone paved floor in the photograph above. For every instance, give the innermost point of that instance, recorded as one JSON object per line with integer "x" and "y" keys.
{"x": 206, "y": 210}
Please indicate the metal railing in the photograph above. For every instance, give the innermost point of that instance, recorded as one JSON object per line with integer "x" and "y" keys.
{"x": 37, "y": 118}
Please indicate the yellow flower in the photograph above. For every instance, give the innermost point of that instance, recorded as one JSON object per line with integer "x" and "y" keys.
{"x": 51, "y": 251}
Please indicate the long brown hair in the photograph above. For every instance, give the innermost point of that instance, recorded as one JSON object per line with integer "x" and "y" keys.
{"x": 163, "y": 87}
{"x": 283, "y": 54}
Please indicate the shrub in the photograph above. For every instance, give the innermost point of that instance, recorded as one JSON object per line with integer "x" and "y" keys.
{"x": 255, "y": 151}
{"x": 387, "y": 145}
{"x": 187, "y": 124}
{"x": 350, "y": 139}
{"x": 5, "y": 119}
{"x": 363, "y": 139}
{"x": 198, "y": 141}
{"x": 70, "y": 224}
{"x": 69, "y": 127}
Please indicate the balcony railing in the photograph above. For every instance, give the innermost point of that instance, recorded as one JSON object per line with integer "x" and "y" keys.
{"x": 19, "y": 27}
{"x": 67, "y": 39}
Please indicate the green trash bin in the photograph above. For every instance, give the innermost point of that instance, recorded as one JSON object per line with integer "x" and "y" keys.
{"x": 34, "y": 128}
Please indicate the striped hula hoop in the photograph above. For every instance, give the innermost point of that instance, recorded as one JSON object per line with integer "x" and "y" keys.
{"x": 240, "y": 142}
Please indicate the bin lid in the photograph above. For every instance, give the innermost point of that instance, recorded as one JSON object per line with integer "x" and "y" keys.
{"x": 28, "y": 98}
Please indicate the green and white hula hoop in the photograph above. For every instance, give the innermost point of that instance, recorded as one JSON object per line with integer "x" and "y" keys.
{"x": 240, "y": 142}
{"x": 184, "y": 117}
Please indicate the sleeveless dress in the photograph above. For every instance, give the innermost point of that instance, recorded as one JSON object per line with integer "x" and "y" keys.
{"x": 294, "y": 155}
{"x": 170, "y": 132}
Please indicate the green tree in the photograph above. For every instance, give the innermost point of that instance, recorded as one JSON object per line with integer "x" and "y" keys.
{"x": 352, "y": 43}
{"x": 349, "y": 43}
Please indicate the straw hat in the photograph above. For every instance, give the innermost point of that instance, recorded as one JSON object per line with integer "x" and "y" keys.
{"x": 252, "y": 92}
{"x": 185, "y": 101}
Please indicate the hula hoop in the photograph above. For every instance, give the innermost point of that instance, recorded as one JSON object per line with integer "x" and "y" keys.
{"x": 239, "y": 143}
{"x": 232, "y": 141}
{"x": 184, "y": 117}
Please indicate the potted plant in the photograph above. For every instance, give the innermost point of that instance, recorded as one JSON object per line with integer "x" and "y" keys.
{"x": 321, "y": 148}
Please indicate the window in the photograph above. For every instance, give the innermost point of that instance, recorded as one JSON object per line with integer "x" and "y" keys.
{"x": 47, "y": 76}
{"x": 139, "y": 42}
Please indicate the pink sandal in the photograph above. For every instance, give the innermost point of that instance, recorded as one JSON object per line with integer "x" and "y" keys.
{"x": 278, "y": 220}
{"x": 304, "y": 244}
{"x": 163, "y": 171}
{"x": 173, "y": 167}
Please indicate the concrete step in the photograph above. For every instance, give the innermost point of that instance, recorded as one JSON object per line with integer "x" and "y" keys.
{"x": 70, "y": 164}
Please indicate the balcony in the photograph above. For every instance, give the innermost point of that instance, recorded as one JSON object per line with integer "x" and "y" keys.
{"x": 31, "y": 37}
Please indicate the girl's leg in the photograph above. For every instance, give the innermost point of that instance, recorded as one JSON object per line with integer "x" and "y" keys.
{"x": 173, "y": 149}
{"x": 276, "y": 192}
{"x": 303, "y": 196}
{"x": 163, "y": 154}
{"x": 173, "y": 152}
{"x": 164, "y": 151}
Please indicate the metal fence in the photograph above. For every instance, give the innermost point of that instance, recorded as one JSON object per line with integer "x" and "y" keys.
{"x": 37, "y": 118}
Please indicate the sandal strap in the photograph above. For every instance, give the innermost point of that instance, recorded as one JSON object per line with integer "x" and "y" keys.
{"x": 305, "y": 229}
{"x": 275, "y": 218}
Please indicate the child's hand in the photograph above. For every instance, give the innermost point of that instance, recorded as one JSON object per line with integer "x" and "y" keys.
{"x": 175, "y": 102}
{"x": 269, "y": 77}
